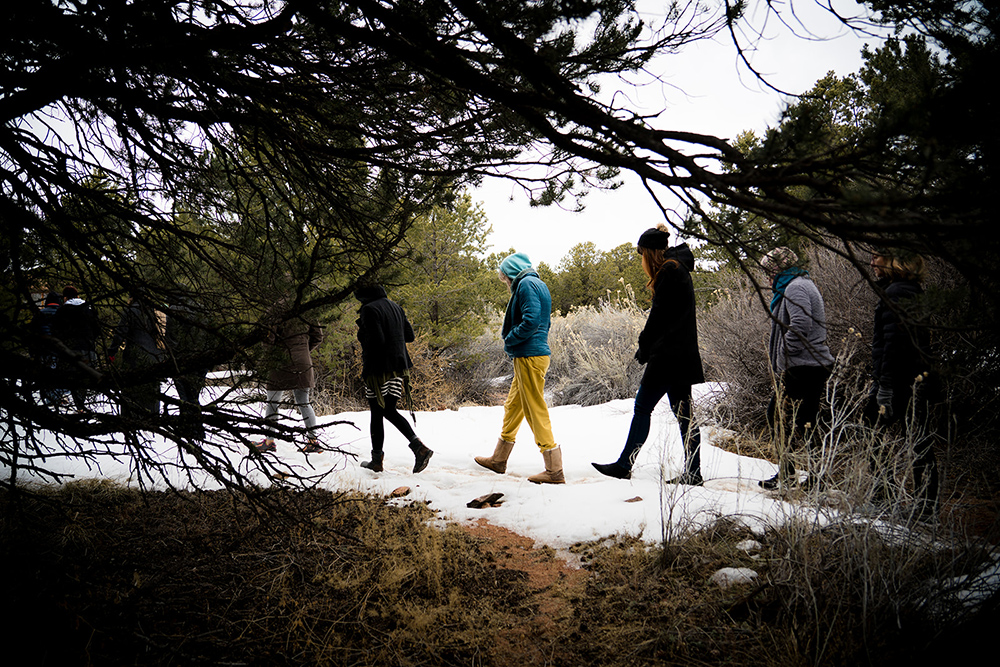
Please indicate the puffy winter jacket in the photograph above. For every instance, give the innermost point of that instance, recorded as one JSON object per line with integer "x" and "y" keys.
{"x": 899, "y": 350}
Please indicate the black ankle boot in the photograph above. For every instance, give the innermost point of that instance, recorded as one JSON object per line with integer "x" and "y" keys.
{"x": 421, "y": 455}
{"x": 613, "y": 470}
{"x": 375, "y": 465}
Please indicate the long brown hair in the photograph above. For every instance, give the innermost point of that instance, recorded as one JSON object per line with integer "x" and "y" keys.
{"x": 653, "y": 261}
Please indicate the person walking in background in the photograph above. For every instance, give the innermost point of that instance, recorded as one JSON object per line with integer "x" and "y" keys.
{"x": 42, "y": 349}
{"x": 668, "y": 346}
{"x": 800, "y": 359}
{"x": 384, "y": 331}
{"x": 187, "y": 337}
{"x": 76, "y": 325}
{"x": 291, "y": 369}
{"x": 900, "y": 365}
{"x": 136, "y": 336}
{"x": 525, "y": 335}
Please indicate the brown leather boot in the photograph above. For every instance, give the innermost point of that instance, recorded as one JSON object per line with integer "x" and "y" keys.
{"x": 553, "y": 468}
{"x": 498, "y": 462}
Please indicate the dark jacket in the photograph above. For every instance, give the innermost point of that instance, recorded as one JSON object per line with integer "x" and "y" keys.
{"x": 187, "y": 336}
{"x": 137, "y": 330}
{"x": 668, "y": 344}
{"x": 526, "y": 323}
{"x": 291, "y": 364}
{"x": 76, "y": 325}
{"x": 384, "y": 332}
{"x": 899, "y": 349}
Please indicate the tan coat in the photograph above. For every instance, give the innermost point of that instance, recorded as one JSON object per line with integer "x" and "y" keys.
{"x": 291, "y": 358}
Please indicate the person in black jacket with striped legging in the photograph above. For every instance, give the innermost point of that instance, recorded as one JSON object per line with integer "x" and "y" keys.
{"x": 384, "y": 331}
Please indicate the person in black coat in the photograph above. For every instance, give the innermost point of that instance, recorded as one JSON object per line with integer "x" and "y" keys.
{"x": 76, "y": 325}
{"x": 384, "y": 331}
{"x": 136, "y": 336}
{"x": 668, "y": 346}
{"x": 900, "y": 365}
{"x": 42, "y": 346}
{"x": 187, "y": 337}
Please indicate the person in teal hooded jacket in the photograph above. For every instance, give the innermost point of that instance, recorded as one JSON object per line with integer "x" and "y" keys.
{"x": 525, "y": 336}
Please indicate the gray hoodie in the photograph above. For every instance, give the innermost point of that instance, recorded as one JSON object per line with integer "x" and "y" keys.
{"x": 798, "y": 328}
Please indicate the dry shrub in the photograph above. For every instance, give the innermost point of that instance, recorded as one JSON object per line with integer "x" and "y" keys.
{"x": 593, "y": 352}
{"x": 480, "y": 371}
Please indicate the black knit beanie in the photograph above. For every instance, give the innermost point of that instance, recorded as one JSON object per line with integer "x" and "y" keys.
{"x": 654, "y": 239}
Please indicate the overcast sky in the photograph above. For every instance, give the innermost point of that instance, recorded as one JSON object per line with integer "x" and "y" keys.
{"x": 709, "y": 92}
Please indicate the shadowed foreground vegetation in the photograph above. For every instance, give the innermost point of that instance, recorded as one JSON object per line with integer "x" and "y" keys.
{"x": 99, "y": 574}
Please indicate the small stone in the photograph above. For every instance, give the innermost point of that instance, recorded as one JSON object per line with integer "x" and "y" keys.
{"x": 637, "y": 499}
{"x": 400, "y": 492}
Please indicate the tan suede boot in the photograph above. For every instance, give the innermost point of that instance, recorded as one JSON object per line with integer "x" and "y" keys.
{"x": 498, "y": 462}
{"x": 553, "y": 468}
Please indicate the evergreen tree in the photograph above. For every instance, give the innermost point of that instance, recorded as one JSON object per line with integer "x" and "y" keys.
{"x": 443, "y": 278}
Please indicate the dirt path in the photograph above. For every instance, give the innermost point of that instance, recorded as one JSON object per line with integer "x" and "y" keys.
{"x": 554, "y": 584}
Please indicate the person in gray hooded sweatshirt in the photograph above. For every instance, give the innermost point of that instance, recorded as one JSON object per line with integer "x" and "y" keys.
{"x": 800, "y": 358}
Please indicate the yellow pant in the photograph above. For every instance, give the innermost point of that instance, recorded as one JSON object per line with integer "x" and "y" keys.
{"x": 526, "y": 400}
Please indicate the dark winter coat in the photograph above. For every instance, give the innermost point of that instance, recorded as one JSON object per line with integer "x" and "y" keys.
{"x": 383, "y": 331}
{"x": 76, "y": 325}
{"x": 187, "y": 336}
{"x": 526, "y": 323}
{"x": 137, "y": 330}
{"x": 291, "y": 364}
{"x": 41, "y": 329}
{"x": 899, "y": 350}
{"x": 668, "y": 344}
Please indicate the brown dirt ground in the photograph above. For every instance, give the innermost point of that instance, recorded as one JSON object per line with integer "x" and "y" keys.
{"x": 554, "y": 584}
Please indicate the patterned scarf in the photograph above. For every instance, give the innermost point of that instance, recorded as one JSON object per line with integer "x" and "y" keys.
{"x": 781, "y": 282}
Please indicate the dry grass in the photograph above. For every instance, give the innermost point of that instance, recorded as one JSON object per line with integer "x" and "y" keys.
{"x": 100, "y": 574}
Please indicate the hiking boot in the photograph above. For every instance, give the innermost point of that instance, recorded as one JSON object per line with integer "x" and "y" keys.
{"x": 613, "y": 470}
{"x": 375, "y": 465}
{"x": 421, "y": 455}
{"x": 687, "y": 479}
{"x": 311, "y": 447}
{"x": 265, "y": 445}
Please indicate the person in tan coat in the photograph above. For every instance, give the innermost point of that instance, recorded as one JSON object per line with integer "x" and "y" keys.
{"x": 291, "y": 369}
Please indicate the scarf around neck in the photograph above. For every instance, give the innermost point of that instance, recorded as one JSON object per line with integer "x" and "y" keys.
{"x": 781, "y": 282}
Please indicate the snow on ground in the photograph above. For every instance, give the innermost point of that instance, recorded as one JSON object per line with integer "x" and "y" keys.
{"x": 588, "y": 507}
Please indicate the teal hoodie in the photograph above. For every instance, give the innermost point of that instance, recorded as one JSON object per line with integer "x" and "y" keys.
{"x": 526, "y": 323}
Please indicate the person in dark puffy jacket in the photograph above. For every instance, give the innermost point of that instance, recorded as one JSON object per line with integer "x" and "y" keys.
{"x": 900, "y": 365}
{"x": 76, "y": 325}
{"x": 137, "y": 337}
{"x": 291, "y": 369}
{"x": 525, "y": 336}
{"x": 42, "y": 348}
{"x": 384, "y": 331}
{"x": 668, "y": 346}
{"x": 800, "y": 359}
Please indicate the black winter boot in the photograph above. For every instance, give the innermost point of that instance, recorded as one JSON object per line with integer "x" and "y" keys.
{"x": 421, "y": 455}
{"x": 613, "y": 470}
{"x": 375, "y": 465}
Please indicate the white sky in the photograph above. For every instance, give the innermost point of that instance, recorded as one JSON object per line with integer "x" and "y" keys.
{"x": 710, "y": 93}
